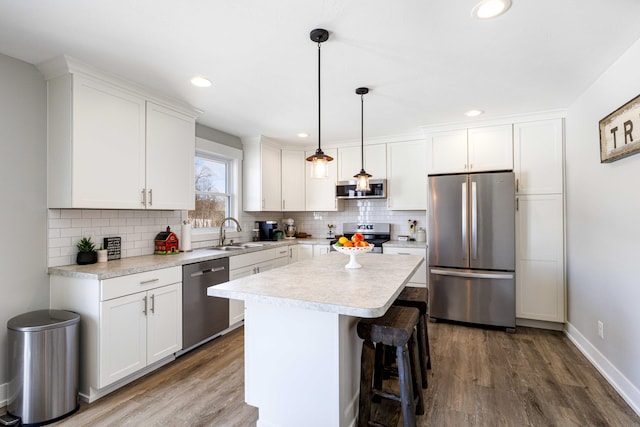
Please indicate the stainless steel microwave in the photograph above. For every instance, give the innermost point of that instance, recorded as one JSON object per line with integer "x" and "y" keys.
{"x": 347, "y": 190}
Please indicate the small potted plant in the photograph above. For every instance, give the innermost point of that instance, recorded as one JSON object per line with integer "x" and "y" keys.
{"x": 86, "y": 251}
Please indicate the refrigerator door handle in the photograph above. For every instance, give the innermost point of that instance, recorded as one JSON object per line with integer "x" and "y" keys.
{"x": 474, "y": 220}
{"x": 464, "y": 221}
{"x": 441, "y": 272}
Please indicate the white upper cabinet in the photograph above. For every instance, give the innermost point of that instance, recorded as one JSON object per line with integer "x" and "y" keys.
{"x": 261, "y": 171}
{"x": 471, "y": 150}
{"x": 100, "y": 153}
{"x": 407, "y": 175}
{"x": 321, "y": 193}
{"x": 448, "y": 152}
{"x": 293, "y": 180}
{"x": 538, "y": 157}
{"x": 170, "y": 149}
{"x": 350, "y": 161}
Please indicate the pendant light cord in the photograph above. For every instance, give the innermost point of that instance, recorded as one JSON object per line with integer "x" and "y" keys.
{"x": 362, "y": 131}
{"x": 319, "y": 128}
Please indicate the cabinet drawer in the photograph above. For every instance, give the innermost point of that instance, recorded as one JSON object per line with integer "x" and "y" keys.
{"x": 420, "y": 276}
{"x": 132, "y": 283}
{"x": 238, "y": 261}
{"x": 282, "y": 251}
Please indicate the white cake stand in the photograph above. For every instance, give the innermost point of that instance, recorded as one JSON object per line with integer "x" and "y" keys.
{"x": 352, "y": 252}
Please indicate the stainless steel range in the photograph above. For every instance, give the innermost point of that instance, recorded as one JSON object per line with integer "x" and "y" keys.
{"x": 375, "y": 233}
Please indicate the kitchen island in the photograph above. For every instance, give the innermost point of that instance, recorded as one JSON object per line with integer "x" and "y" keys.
{"x": 302, "y": 352}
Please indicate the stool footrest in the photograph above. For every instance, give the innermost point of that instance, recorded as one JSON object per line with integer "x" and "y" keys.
{"x": 386, "y": 395}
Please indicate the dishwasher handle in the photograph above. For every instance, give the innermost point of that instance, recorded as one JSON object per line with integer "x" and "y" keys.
{"x": 208, "y": 270}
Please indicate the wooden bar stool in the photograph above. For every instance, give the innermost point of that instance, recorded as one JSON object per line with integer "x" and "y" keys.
{"x": 417, "y": 298}
{"x": 395, "y": 329}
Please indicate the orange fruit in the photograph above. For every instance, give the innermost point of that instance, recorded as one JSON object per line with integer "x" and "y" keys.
{"x": 348, "y": 244}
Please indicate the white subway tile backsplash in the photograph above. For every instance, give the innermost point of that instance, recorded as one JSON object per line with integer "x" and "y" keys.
{"x": 70, "y": 213}
{"x": 91, "y": 213}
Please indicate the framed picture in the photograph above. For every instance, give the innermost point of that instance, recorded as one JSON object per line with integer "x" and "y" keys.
{"x": 620, "y": 132}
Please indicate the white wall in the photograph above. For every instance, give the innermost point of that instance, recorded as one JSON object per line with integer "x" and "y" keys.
{"x": 24, "y": 284}
{"x": 603, "y": 232}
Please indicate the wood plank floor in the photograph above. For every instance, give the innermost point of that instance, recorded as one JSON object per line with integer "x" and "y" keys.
{"x": 480, "y": 377}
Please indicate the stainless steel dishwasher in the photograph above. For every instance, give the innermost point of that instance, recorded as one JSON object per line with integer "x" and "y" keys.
{"x": 203, "y": 316}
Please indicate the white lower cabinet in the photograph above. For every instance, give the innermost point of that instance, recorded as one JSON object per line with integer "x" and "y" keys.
{"x": 320, "y": 250}
{"x": 246, "y": 265}
{"x": 305, "y": 252}
{"x": 294, "y": 253}
{"x": 540, "y": 291}
{"x": 419, "y": 278}
{"x": 138, "y": 330}
{"x": 128, "y": 324}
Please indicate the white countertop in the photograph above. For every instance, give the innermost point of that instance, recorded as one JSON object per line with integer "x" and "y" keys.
{"x": 404, "y": 244}
{"x": 324, "y": 284}
{"x": 139, "y": 264}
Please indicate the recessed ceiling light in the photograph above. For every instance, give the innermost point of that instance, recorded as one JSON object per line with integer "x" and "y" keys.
{"x": 200, "y": 81}
{"x": 490, "y": 8}
{"x": 303, "y": 135}
{"x": 473, "y": 113}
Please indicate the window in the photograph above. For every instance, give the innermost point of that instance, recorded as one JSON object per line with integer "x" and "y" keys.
{"x": 213, "y": 190}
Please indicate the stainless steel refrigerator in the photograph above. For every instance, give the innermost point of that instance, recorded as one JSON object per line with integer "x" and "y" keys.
{"x": 472, "y": 248}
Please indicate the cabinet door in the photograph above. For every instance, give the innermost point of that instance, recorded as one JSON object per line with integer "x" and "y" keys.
{"x": 171, "y": 139}
{"x": 407, "y": 175}
{"x": 123, "y": 337}
{"x": 321, "y": 193}
{"x": 108, "y": 148}
{"x": 349, "y": 163}
{"x": 305, "y": 252}
{"x": 490, "y": 148}
{"x": 293, "y": 177}
{"x": 320, "y": 250}
{"x": 294, "y": 253}
{"x": 538, "y": 157}
{"x": 419, "y": 278}
{"x": 540, "y": 291}
{"x": 236, "y": 306}
{"x": 164, "y": 322}
{"x": 447, "y": 152}
{"x": 271, "y": 170}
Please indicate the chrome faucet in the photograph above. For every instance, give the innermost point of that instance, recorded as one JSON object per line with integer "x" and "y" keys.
{"x": 222, "y": 233}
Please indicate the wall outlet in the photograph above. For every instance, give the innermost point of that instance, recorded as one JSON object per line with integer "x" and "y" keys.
{"x": 600, "y": 329}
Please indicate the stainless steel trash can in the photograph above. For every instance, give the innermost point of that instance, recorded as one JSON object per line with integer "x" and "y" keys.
{"x": 43, "y": 365}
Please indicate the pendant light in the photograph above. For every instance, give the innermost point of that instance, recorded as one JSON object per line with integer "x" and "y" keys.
{"x": 362, "y": 183}
{"x": 320, "y": 168}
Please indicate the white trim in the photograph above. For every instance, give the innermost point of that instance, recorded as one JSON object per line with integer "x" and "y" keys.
{"x": 218, "y": 149}
{"x": 618, "y": 381}
{"x": 3, "y": 395}
{"x": 514, "y": 118}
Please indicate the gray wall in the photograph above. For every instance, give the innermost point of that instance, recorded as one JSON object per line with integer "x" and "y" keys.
{"x": 218, "y": 136}
{"x": 24, "y": 284}
{"x": 603, "y": 231}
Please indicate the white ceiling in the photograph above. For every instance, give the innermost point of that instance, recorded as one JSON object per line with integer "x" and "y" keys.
{"x": 425, "y": 61}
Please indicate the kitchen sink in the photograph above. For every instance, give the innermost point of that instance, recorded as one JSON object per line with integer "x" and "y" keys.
{"x": 237, "y": 246}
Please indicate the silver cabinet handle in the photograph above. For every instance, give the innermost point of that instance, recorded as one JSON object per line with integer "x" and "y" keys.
{"x": 283, "y": 204}
{"x": 262, "y": 203}
{"x": 144, "y": 282}
{"x": 517, "y": 185}
{"x": 153, "y": 303}
{"x": 144, "y": 197}
{"x": 144, "y": 311}
{"x": 151, "y": 197}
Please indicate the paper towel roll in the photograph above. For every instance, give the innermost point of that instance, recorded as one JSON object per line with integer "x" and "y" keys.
{"x": 185, "y": 238}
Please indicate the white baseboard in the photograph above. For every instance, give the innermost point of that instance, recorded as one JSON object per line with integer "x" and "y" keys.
{"x": 618, "y": 381}
{"x": 3, "y": 395}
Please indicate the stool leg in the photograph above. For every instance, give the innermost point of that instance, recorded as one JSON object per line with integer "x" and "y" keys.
{"x": 366, "y": 378}
{"x": 426, "y": 340}
{"x": 378, "y": 369}
{"x": 415, "y": 373}
{"x": 406, "y": 392}
{"x": 422, "y": 348}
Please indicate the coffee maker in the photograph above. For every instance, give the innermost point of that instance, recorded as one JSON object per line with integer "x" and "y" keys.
{"x": 267, "y": 230}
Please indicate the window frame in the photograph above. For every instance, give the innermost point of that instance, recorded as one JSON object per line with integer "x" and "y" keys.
{"x": 233, "y": 156}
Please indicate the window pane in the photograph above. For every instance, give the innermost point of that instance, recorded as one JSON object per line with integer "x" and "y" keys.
{"x": 212, "y": 197}
{"x": 210, "y": 211}
{"x": 211, "y": 175}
